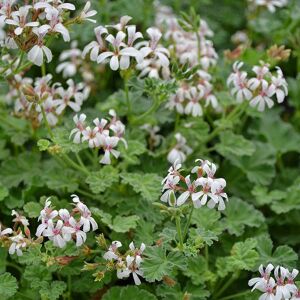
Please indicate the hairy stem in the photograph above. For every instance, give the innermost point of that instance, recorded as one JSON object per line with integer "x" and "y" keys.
{"x": 187, "y": 225}
{"x": 178, "y": 227}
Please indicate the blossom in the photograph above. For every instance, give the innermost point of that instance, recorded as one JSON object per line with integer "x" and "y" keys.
{"x": 95, "y": 47}
{"x": 18, "y": 242}
{"x": 86, "y": 215}
{"x": 154, "y": 49}
{"x": 132, "y": 267}
{"x": 190, "y": 191}
{"x": 55, "y": 232}
{"x": 108, "y": 143}
{"x": 80, "y": 127}
{"x": 19, "y": 20}
{"x": 193, "y": 107}
{"x": 137, "y": 251}
{"x": 283, "y": 289}
{"x": 264, "y": 97}
{"x": 19, "y": 218}
{"x": 259, "y": 282}
{"x": 80, "y": 235}
{"x": 37, "y": 52}
{"x": 120, "y": 56}
{"x": 200, "y": 198}
{"x": 5, "y": 231}
{"x": 112, "y": 251}
{"x": 180, "y": 150}
{"x": 169, "y": 188}
{"x": 86, "y": 14}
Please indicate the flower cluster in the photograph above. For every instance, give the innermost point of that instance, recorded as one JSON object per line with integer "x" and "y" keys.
{"x": 205, "y": 189}
{"x": 269, "y": 4}
{"x": 18, "y": 238}
{"x": 126, "y": 264}
{"x": 191, "y": 96}
{"x": 62, "y": 226}
{"x": 180, "y": 151}
{"x": 30, "y": 26}
{"x": 281, "y": 288}
{"x": 121, "y": 45}
{"x": 104, "y": 135}
{"x": 195, "y": 49}
{"x": 260, "y": 89}
{"x": 32, "y": 99}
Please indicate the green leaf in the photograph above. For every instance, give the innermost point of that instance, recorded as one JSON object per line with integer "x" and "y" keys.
{"x": 259, "y": 167}
{"x": 200, "y": 236}
{"x": 243, "y": 257}
{"x": 281, "y": 135}
{"x": 28, "y": 170}
{"x": 123, "y": 224}
{"x": 3, "y": 192}
{"x": 8, "y": 285}
{"x": 158, "y": 263}
{"x": 119, "y": 223}
{"x": 263, "y": 197}
{"x": 196, "y": 270}
{"x": 53, "y": 290}
{"x": 240, "y": 214}
{"x": 61, "y": 139}
{"x": 101, "y": 180}
{"x": 148, "y": 185}
{"x": 234, "y": 144}
{"x": 290, "y": 200}
{"x": 131, "y": 154}
{"x": 128, "y": 292}
{"x": 282, "y": 255}
{"x": 32, "y": 209}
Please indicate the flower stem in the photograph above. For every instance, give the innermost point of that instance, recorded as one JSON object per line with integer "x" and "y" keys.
{"x": 153, "y": 108}
{"x": 226, "y": 285}
{"x": 126, "y": 88}
{"x": 74, "y": 165}
{"x": 80, "y": 161}
{"x": 43, "y": 68}
{"x": 187, "y": 225}
{"x": 46, "y": 121}
{"x": 69, "y": 287}
{"x": 236, "y": 295}
{"x": 178, "y": 227}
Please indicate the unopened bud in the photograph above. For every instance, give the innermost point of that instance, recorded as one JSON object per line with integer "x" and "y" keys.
{"x": 101, "y": 241}
{"x": 99, "y": 275}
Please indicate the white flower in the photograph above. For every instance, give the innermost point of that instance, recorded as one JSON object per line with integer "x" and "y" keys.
{"x": 122, "y": 24}
{"x": 86, "y": 14}
{"x": 95, "y": 47}
{"x": 218, "y": 195}
{"x": 37, "y": 52}
{"x": 133, "y": 265}
{"x": 5, "y": 231}
{"x": 264, "y": 97}
{"x": 152, "y": 47}
{"x": 80, "y": 127}
{"x": 92, "y": 136}
{"x": 19, "y": 20}
{"x": 180, "y": 151}
{"x": 259, "y": 282}
{"x": 169, "y": 188}
{"x": 111, "y": 253}
{"x": 19, "y": 218}
{"x": 86, "y": 215}
{"x": 120, "y": 56}
{"x": 190, "y": 192}
{"x": 108, "y": 143}
{"x": 18, "y": 242}
{"x": 283, "y": 290}
{"x": 268, "y": 289}
{"x": 55, "y": 233}
{"x": 193, "y": 107}
{"x": 137, "y": 251}
{"x": 280, "y": 85}
{"x": 80, "y": 235}
{"x": 52, "y": 15}
{"x": 201, "y": 198}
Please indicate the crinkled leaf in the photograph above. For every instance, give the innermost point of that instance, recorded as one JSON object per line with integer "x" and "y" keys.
{"x": 158, "y": 263}
{"x": 128, "y": 292}
{"x": 53, "y": 290}
{"x": 3, "y": 192}
{"x": 260, "y": 166}
{"x": 61, "y": 139}
{"x": 131, "y": 154}
{"x": 201, "y": 236}
{"x": 243, "y": 257}
{"x": 234, "y": 144}
{"x": 33, "y": 209}
{"x": 148, "y": 185}
{"x": 282, "y": 255}
{"x": 101, "y": 180}
{"x": 8, "y": 285}
{"x": 23, "y": 168}
{"x": 240, "y": 214}
{"x": 263, "y": 197}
